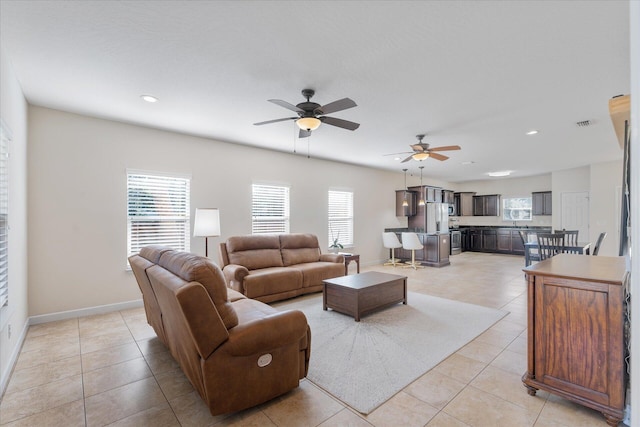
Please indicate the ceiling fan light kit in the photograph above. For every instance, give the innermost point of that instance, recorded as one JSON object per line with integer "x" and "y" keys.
{"x": 308, "y": 123}
{"x": 420, "y": 156}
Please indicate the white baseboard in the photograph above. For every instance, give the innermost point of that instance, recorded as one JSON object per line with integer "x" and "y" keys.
{"x": 82, "y": 312}
{"x": 13, "y": 359}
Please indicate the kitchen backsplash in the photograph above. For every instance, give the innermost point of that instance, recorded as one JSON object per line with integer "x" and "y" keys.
{"x": 538, "y": 221}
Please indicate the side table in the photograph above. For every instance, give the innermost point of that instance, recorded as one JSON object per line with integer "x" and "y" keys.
{"x": 347, "y": 260}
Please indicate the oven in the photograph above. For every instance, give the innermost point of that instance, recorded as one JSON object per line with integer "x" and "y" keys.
{"x": 456, "y": 242}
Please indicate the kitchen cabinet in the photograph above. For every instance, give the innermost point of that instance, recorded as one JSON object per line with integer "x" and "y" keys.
{"x": 542, "y": 203}
{"x": 509, "y": 241}
{"x": 475, "y": 240}
{"x": 447, "y": 197}
{"x": 464, "y": 240}
{"x": 488, "y": 205}
{"x": 410, "y": 197}
{"x": 464, "y": 203}
{"x": 575, "y": 331}
{"x": 489, "y": 240}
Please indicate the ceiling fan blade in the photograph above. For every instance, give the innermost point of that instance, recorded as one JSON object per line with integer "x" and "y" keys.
{"x": 419, "y": 147}
{"x": 345, "y": 124}
{"x": 395, "y": 154}
{"x": 304, "y": 133}
{"x": 438, "y": 156}
{"x": 339, "y": 105}
{"x": 286, "y": 105}
{"x": 275, "y": 121}
{"x": 407, "y": 159}
{"x": 445, "y": 148}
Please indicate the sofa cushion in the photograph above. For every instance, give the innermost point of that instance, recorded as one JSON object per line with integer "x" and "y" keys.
{"x": 273, "y": 280}
{"x": 298, "y": 248}
{"x": 313, "y": 273}
{"x": 254, "y": 252}
{"x": 153, "y": 252}
{"x": 194, "y": 268}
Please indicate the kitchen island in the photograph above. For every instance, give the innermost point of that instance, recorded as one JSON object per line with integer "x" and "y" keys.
{"x": 435, "y": 251}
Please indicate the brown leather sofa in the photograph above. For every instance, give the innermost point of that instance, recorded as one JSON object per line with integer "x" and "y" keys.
{"x": 275, "y": 267}
{"x": 235, "y": 351}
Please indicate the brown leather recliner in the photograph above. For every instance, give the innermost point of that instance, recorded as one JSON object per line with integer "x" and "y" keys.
{"x": 236, "y": 352}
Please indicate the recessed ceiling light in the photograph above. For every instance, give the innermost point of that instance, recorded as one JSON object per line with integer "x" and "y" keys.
{"x": 499, "y": 173}
{"x": 532, "y": 132}
{"x": 149, "y": 98}
{"x": 468, "y": 162}
{"x": 396, "y": 158}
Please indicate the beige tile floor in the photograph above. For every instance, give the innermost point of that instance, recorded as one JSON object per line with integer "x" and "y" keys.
{"x": 112, "y": 370}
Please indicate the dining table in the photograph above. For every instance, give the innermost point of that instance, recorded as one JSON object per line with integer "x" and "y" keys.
{"x": 579, "y": 248}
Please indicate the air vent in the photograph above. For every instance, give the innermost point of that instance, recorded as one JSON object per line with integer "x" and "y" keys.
{"x": 583, "y": 124}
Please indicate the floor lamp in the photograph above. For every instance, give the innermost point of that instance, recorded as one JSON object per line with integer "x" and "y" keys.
{"x": 206, "y": 224}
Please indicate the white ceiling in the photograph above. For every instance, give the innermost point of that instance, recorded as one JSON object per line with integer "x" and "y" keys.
{"x": 476, "y": 74}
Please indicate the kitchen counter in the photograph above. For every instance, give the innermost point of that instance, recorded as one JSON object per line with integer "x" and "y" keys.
{"x": 435, "y": 250}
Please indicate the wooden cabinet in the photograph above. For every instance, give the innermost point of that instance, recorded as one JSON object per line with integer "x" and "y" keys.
{"x": 488, "y": 205}
{"x": 504, "y": 240}
{"x": 489, "y": 240}
{"x": 434, "y": 252}
{"x": 475, "y": 239}
{"x": 410, "y": 197}
{"x": 447, "y": 197}
{"x": 464, "y": 203}
{"x": 542, "y": 203}
{"x": 509, "y": 241}
{"x": 464, "y": 240}
{"x": 575, "y": 341}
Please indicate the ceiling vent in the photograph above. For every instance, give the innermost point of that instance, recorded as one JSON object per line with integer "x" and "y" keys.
{"x": 583, "y": 124}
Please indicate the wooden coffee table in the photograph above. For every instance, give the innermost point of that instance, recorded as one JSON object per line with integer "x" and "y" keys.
{"x": 358, "y": 294}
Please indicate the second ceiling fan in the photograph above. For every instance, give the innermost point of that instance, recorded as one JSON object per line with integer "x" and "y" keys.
{"x": 312, "y": 114}
{"x": 421, "y": 151}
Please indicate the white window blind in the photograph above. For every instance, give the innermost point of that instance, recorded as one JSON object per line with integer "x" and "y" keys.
{"x": 341, "y": 217}
{"x": 4, "y": 217}
{"x": 269, "y": 209}
{"x": 157, "y": 211}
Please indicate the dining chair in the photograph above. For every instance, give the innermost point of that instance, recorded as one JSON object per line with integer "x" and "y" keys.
{"x": 570, "y": 237}
{"x": 599, "y": 243}
{"x": 550, "y": 244}
{"x": 390, "y": 241}
{"x": 527, "y": 237}
{"x": 411, "y": 241}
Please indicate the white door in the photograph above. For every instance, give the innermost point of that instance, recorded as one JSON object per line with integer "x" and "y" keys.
{"x": 575, "y": 213}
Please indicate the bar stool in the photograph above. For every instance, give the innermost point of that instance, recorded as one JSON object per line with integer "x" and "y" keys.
{"x": 410, "y": 241}
{"x": 390, "y": 241}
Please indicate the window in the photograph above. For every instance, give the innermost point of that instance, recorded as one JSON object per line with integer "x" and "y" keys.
{"x": 341, "y": 217}
{"x": 269, "y": 209}
{"x": 157, "y": 211}
{"x": 516, "y": 209}
{"x": 4, "y": 215}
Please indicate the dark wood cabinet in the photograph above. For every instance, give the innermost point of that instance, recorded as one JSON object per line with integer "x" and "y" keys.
{"x": 475, "y": 240}
{"x": 517, "y": 245}
{"x": 410, "y": 197}
{"x": 488, "y": 205}
{"x": 542, "y": 203}
{"x": 435, "y": 250}
{"x": 464, "y": 240}
{"x": 489, "y": 240}
{"x": 500, "y": 240}
{"x": 504, "y": 240}
{"x": 575, "y": 335}
{"x": 447, "y": 197}
{"x": 463, "y": 202}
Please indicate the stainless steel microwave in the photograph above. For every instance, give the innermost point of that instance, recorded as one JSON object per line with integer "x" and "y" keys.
{"x": 452, "y": 210}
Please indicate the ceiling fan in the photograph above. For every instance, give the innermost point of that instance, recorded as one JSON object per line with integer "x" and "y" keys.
{"x": 311, "y": 114}
{"x": 421, "y": 151}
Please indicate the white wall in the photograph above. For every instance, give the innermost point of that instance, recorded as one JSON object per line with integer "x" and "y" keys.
{"x": 13, "y": 111}
{"x": 77, "y": 198}
{"x": 605, "y": 185}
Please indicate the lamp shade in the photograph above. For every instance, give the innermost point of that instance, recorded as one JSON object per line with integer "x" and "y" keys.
{"x": 206, "y": 222}
{"x": 420, "y": 156}
{"x": 308, "y": 123}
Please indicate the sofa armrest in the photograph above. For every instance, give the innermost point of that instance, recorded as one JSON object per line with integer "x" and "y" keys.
{"x": 332, "y": 258}
{"x": 235, "y": 275}
{"x": 271, "y": 331}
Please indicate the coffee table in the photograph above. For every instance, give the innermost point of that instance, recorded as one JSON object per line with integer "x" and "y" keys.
{"x": 358, "y": 294}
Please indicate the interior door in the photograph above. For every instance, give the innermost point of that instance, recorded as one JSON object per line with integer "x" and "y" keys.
{"x": 575, "y": 213}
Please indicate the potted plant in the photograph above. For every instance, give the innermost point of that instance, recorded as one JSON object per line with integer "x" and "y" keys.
{"x": 336, "y": 245}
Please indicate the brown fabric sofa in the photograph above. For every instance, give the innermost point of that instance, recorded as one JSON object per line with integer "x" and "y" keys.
{"x": 235, "y": 351}
{"x": 275, "y": 267}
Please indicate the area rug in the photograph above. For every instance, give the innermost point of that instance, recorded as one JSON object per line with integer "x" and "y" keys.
{"x": 365, "y": 363}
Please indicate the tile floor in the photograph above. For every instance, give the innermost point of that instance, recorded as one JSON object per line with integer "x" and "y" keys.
{"x": 111, "y": 370}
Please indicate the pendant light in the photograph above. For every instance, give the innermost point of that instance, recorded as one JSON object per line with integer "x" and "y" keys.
{"x": 421, "y": 201}
{"x": 405, "y": 202}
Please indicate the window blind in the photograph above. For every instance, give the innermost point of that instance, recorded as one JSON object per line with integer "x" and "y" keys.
{"x": 341, "y": 217}
{"x": 4, "y": 218}
{"x": 269, "y": 209}
{"x": 157, "y": 211}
